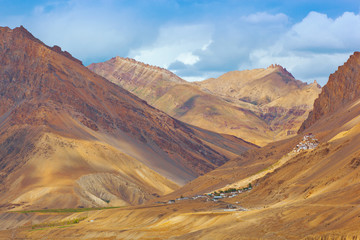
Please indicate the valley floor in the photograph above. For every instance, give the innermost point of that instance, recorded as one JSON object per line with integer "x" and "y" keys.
{"x": 191, "y": 219}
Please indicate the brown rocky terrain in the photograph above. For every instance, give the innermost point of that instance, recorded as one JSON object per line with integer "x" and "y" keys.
{"x": 343, "y": 87}
{"x": 260, "y": 105}
{"x": 69, "y": 137}
{"x": 309, "y": 194}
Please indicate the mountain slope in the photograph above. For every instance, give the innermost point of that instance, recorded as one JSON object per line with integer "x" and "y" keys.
{"x": 260, "y": 105}
{"x": 64, "y": 130}
{"x": 343, "y": 87}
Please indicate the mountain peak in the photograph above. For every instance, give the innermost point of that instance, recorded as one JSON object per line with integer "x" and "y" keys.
{"x": 275, "y": 66}
{"x": 343, "y": 87}
{"x": 132, "y": 72}
{"x": 22, "y": 29}
{"x": 22, "y": 33}
{"x": 281, "y": 69}
{"x": 134, "y": 62}
{"x": 316, "y": 84}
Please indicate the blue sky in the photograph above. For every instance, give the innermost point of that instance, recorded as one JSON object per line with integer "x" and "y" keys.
{"x": 198, "y": 39}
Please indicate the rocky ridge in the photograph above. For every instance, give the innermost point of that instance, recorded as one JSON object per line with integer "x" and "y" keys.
{"x": 343, "y": 87}
{"x": 144, "y": 80}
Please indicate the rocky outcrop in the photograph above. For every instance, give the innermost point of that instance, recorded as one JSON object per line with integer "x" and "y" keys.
{"x": 281, "y": 70}
{"x": 65, "y": 53}
{"x": 343, "y": 87}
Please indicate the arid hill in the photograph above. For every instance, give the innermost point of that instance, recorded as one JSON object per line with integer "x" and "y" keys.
{"x": 69, "y": 137}
{"x": 307, "y": 194}
{"x": 260, "y": 105}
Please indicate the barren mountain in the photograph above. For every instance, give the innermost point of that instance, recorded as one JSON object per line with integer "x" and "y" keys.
{"x": 257, "y": 86}
{"x": 307, "y": 194}
{"x": 260, "y": 105}
{"x": 343, "y": 87}
{"x": 282, "y": 101}
{"x": 143, "y": 80}
{"x": 69, "y": 137}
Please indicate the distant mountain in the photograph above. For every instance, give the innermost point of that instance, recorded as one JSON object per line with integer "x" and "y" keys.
{"x": 69, "y": 137}
{"x": 257, "y": 86}
{"x": 260, "y": 105}
{"x": 142, "y": 79}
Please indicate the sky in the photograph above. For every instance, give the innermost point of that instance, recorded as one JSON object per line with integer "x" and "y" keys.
{"x": 198, "y": 39}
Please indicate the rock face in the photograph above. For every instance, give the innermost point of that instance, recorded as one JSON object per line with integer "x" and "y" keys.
{"x": 260, "y": 105}
{"x": 343, "y": 87}
{"x": 47, "y": 96}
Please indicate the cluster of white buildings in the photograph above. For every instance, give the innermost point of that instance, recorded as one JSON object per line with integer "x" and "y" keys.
{"x": 309, "y": 142}
{"x": 211, "y": 196}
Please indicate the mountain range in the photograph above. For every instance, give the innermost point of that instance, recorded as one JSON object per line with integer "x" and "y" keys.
{"x": 72, "y": 139}
{"x": 308, "y": 194}
{"x": 259, "y": 105}
{"x": 69, "y": 137}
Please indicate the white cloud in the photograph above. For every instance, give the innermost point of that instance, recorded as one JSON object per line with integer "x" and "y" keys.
{"x": 319, "y": 32}
{"x": 194, "y": 79}
{"x": 314, "y": 47}
{"x": 175, "y": 43}
{"x": 231, "y": 44}
{"x": 305, "y": 66}
{"x": 206, "y": 45}
{"x": 188, "y": 58}
{"x": 310, "y": 49}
